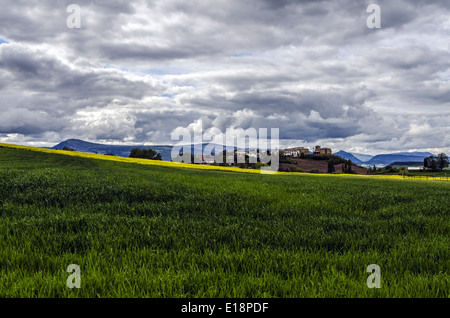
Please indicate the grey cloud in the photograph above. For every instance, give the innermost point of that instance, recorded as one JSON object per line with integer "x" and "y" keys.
{"x": 23, "y": 121}
{"x": 311, "y": 68}
{"x": 39, "y": 72}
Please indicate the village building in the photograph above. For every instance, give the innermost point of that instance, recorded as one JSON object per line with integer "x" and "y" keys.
{"x": 322, "y": 151}
{"x": 295, "y": 152}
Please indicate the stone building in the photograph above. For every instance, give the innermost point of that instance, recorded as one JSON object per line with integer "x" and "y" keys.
{"x": 322, "y": 151}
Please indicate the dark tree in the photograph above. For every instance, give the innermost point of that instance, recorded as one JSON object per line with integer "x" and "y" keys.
{"x": 347, "y": 166}
{"x": 430, "y": 163}
{"x": 390, "y": 168}
{"x": 145, "y": 154}
{"x": 330, "y": 166}
{"x": 442, "y": 161}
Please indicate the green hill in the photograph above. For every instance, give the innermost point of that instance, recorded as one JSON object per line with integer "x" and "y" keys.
{"x": 155, "y": 231}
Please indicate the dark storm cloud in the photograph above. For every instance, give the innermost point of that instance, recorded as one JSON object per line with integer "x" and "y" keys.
{"x": 22, "y": 121}
{"x": 36, "y": 71}
{"x": 55, "y": 92}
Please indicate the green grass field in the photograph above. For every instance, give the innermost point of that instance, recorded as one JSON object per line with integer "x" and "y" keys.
{"x": 153, "y": 231}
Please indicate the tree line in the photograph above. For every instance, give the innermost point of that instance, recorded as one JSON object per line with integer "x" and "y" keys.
{"x": 150, "y": 154}
{"x": 438, "y": 163}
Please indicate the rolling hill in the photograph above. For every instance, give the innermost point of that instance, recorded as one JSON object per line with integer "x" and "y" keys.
{"x": 386, "y": 159}
{"x": 117, "y": 150}
{"x": 161, "y": 230}
{"x": 122, "y": 150}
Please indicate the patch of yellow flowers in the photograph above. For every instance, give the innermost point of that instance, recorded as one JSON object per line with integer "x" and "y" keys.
{"x": 130, "y": 160}
{"x": 192, "y": 166}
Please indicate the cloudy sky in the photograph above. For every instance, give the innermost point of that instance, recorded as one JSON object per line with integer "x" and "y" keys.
{"x": 137, "y": 70}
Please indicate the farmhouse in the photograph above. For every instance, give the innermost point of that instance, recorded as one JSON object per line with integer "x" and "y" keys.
{"x": 295, "y": 152}
{"x": 415, "y": 168}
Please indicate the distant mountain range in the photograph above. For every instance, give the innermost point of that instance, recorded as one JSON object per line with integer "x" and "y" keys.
{"x": 117, "y": 150}
{"x": 387, "y": 159}
{"x": 384, "y": 159}
{"x": 122, "y": 150}
{"x": 165, "y": 151}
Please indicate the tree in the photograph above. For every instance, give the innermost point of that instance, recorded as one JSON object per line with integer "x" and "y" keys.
{"x": 390, "y": 168}
{"x": 145, "y": 154}
{"x": 442, "y": 161}
{"x": 347, "y": 166}
{"x": 350, "y": 164}
{"x": 330, "y": 166}
{"x": 430, "y": 163}
{"x": 436, "y": 163}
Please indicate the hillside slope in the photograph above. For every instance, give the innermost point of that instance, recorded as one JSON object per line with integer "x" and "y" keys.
{"x": 307, "y": 165}
{"x": 386, "y": 159}
{"x": 153, "y": 231}
{"x": 124, "y": 150}
{"x": 117, "y": 150}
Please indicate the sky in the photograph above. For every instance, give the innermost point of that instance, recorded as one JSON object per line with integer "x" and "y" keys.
{"x": 136, "y": 71}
